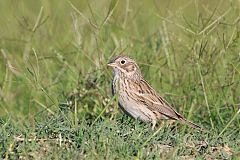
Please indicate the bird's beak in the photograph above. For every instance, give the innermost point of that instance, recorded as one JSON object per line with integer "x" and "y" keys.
{"x": 111, "y": 64}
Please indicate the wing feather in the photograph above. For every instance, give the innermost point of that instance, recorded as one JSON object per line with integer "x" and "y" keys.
{"x": 153, "y": 101}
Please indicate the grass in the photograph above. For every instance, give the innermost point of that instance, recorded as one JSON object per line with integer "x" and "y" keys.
{"x": 55, "y": 92}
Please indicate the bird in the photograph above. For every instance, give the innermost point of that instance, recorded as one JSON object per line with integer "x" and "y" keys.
{"x": 137, "y": 97}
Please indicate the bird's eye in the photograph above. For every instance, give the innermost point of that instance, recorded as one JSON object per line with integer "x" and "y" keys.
{"x": 123, "y": 62}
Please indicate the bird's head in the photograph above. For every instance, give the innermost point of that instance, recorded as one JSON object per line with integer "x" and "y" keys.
{"x": 125, "y": 66}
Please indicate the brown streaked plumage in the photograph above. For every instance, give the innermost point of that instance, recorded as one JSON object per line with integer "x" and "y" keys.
{"x": 137, "y": 97}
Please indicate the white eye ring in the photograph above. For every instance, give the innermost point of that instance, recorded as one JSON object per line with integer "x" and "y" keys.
{"x": 122, "y": 61}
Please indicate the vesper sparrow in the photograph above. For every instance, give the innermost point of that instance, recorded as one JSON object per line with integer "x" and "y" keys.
{"x": 136, "y": 97}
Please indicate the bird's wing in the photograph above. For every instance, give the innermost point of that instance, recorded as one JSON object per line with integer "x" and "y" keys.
{"x": 149, "y": 97}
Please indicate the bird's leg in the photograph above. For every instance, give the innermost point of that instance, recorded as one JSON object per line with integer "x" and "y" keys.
{"x": 153, "y": 124}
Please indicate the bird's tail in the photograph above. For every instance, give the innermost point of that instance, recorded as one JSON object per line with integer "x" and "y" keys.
{"x": 191, "y": 124}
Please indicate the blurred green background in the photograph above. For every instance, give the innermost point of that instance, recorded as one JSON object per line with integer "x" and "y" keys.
{"x": 54, "y": 53}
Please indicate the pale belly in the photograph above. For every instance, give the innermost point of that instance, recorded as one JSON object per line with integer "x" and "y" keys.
{"x": 134, "y": 109}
